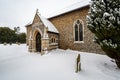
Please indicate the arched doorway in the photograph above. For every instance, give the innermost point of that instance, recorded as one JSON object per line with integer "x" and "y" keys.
{"x": 38, "y": 42}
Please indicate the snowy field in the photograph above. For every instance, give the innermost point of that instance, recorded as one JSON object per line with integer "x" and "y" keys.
{"x": 18, "y": 64}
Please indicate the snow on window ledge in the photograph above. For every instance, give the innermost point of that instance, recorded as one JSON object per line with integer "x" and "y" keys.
{"x": 53, "y": 44}
{"x": 78, "y": 41}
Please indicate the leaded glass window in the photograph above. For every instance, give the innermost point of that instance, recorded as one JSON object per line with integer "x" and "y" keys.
{"x": 78, "y": 31}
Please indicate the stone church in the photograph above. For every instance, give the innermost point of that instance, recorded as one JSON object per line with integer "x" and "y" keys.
{"x": 65, "y": 29}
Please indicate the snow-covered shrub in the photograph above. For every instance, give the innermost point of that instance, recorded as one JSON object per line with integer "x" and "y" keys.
{"x": 104, "y": 21}
{"x": 4, "y": 43}
{"x": 10, "y": 43}
{"x": 17, "y": 43}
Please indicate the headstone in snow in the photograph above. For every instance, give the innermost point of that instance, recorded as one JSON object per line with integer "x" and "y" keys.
{"x": 78, "y": 64}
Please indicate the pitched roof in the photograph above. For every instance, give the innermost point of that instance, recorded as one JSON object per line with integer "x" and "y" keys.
{"x": 48, "y": 24}
{"x": 73, "y": 7}
{"x": 28, "y": 24}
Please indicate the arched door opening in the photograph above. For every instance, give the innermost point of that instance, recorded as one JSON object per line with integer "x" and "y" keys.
{"x": 38, "y": 42}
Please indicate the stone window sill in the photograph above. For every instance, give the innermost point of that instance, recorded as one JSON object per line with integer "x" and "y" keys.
{"x": 78, "y": 41}
{"x": 54, "y": 44}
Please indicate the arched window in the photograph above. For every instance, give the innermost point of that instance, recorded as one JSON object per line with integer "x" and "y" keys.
{"x": 78, "y": 31}
{"x": 53, "y": 40}
{"x": 81, "y": 32}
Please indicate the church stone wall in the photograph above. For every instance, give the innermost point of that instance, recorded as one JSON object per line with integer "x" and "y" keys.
{"x": 28, "y": 29}
{"x": 36, "y": 27}
{"x": 55, "y": 36}
{"x": 64, "y": 24}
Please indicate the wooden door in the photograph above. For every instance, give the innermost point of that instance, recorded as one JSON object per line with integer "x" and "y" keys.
{"x": 38, "y": 42}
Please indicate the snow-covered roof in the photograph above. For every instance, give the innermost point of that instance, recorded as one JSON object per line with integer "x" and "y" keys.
{"x": 73, "y": 7}
{"x": 48, "y": 24}
{"x": 28, "y": 23}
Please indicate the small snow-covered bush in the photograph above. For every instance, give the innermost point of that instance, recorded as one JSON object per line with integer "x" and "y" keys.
{"x": 4, "y": 43}
{"x": 17, "y": 43}
{"x": 10, "y": 43}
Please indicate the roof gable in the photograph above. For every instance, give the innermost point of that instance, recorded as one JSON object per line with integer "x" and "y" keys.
{"x": 36, "y": 18}
{"x": 47, "y": 23}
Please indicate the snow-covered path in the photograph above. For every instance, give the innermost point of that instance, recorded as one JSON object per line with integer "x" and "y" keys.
{"x": 16, "y": 63}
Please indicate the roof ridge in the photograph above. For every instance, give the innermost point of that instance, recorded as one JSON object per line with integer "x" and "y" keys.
{"x": 69, "y": 8}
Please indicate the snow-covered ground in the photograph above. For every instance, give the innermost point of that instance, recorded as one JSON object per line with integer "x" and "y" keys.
{"x": 16, "y": 63}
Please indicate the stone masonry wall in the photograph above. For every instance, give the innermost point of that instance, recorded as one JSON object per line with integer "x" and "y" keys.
{"x": 51, "y": 44}
{"x": 28, "y": 29}
{"x": 64, "y": 24}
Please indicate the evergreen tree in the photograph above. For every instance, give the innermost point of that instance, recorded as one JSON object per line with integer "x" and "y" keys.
{"x": 10, "y": 36}
{"x": 104, "y": 21}
{"x": 7, "y": 35}
{"x": 17, "y": 30}
{"x": 21, "y": 37}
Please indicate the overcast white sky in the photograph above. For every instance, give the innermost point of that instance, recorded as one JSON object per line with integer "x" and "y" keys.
{"x": 15, "y": 13}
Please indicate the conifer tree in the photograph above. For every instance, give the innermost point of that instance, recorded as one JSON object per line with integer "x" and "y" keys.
{"x": 104, "y": 21}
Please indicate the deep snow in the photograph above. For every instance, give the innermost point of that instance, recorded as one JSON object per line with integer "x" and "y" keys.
{"x": 16, "y": 63}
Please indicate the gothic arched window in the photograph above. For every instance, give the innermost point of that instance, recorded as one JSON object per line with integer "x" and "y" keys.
{"x": 78, "y": 31}
{"x": 53, "y": 40}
